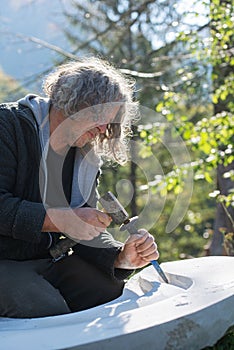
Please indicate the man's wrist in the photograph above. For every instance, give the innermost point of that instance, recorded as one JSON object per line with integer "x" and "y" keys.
{"x": 120, "y": 261}
{"x": 54, "y": 220}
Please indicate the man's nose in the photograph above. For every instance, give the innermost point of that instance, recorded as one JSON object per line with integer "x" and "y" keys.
{"x": 102, "y": 128}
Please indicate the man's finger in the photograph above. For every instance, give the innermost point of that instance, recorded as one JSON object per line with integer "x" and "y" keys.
{"x": 136, "y": 238}
{"x": 149, "y": 251}
{"x": 104, "y": 218}
{"x": 147, "y": 244}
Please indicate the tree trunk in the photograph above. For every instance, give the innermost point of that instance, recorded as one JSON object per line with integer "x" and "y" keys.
{"x": 223, "y": 224}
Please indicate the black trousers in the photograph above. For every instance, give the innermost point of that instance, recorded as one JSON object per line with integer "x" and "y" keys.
{"x": 38, "y": 288}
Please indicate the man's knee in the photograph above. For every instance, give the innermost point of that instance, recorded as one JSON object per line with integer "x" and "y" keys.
{"x": 108, "y": 290}
{"x": 25, "y": 294}
{"x": 28, "y": 304}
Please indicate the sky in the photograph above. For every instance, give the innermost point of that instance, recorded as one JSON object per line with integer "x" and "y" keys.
{"x": 20, "y": 19}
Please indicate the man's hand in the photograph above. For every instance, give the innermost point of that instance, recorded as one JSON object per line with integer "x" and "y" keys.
{"x": 77, "y": 224}
{"x": 138, "y": 251}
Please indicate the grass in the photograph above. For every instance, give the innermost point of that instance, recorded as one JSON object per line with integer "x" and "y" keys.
{"x": 225, "y": 343}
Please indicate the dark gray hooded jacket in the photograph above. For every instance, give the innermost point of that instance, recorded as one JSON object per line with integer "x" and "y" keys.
{"x": 22, "y": 211}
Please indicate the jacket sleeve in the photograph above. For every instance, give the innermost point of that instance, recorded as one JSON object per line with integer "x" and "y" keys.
{"x": 102, "y": 252}
{"x": 19, "y": 218}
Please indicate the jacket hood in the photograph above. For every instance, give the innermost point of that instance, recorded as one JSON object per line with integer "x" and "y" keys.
{"x": 38, "y": 105}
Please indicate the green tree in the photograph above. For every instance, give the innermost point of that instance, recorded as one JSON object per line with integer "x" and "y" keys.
{"x": 209, "y": 137}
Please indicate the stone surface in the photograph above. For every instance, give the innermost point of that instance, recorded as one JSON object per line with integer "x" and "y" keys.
{"x": 191, "y": 312}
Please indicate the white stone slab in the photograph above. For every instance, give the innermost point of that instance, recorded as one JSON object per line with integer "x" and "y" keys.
{"x": 191, "y": 312}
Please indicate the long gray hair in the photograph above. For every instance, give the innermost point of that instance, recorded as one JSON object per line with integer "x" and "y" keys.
{"x": 93, "y": 82}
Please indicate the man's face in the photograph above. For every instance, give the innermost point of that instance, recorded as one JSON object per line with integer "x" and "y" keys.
{"x": 90, "y": 135}
{"x": 88, "y": 125}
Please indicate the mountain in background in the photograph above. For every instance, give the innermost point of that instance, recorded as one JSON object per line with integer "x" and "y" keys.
{"x": 20, "y": 19}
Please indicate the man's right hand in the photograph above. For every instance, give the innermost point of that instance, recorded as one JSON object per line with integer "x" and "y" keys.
{"x": 77, "y": 224}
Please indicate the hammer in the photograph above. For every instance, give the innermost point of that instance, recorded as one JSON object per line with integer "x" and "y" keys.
{"x": 119, "y": 215}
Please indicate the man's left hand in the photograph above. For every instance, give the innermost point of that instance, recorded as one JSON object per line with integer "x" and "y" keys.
{"x": 138, "y": 251}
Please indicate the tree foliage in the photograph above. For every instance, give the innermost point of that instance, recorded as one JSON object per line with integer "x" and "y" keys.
{"x": 133, "y": 35}
{"x": 209, "y": 137}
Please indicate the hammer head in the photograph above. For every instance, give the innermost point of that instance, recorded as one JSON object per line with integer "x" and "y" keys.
{"x": 113, "y": 208}
{"x": 130, "y": 225}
